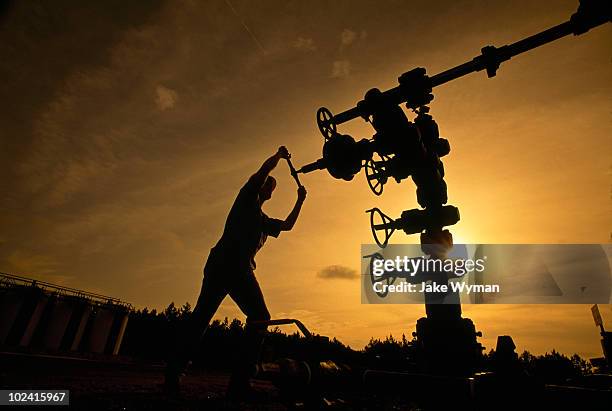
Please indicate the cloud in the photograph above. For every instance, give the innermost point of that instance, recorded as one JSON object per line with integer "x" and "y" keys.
{"x": 347, "y": 37}
{"x": 166, "y": 98}
{"x": 341, "y": 68}
{"x": 337, "y": 271}
{"x": 305, "y": 44}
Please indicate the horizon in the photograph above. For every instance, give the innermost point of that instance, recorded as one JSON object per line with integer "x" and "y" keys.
{"x": 488, "y": 343}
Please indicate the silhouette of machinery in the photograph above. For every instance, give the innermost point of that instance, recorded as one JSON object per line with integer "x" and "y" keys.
{"x": 401, "y": 148}
{"x": 36, "y": 315}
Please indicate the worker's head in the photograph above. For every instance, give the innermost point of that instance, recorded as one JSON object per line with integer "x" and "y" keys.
{"x": 267, "y": 188}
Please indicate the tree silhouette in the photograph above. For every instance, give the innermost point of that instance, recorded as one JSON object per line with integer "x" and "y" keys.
{"x": 150, "y": 335}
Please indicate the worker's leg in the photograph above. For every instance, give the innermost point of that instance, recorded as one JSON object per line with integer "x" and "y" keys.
{"x": 214, "y": 289}
{"x": 245, "y": 291}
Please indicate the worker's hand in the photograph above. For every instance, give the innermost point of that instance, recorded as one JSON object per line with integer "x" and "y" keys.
{"x": 283, "y": 153}
{"x": 301, "y": 193}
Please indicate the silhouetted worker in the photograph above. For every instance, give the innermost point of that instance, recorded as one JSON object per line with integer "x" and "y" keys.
{"x": 230, "y": 270}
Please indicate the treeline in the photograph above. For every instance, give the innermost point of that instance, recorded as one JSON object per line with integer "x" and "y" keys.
{"x": 151, "y": 335}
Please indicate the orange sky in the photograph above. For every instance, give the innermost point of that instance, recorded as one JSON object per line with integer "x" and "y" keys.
{"x": 128, "y": 130}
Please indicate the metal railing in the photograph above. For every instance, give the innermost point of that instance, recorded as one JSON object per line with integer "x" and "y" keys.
{"x": 11, "y": 280}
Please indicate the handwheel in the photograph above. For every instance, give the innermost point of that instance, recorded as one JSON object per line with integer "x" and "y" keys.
{"x": 375, "y": 174}
{"x": 386, "y": 224}
{"x": 325, "y": 121}
{"x": 386, "y": 278}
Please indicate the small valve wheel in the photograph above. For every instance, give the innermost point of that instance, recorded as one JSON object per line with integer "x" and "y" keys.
{"x": 386, "y": 279}
{"x": 375, "y": 174}
{"x": 325, "y": 121}
{"x": 385, "y": 224}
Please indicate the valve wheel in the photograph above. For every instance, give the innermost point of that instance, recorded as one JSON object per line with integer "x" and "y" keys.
{"x": 374, "y": 171}
{"x": 325, "y": 121}
{"x": 386, "y": 279}
{"x": 385, "y": 225}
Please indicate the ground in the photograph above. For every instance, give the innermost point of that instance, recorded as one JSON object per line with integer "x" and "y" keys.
{"x": 97, "y": 384}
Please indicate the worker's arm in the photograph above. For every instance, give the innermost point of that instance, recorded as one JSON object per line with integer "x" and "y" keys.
{"x": 257, "y": 180}
{"x": 289, "y": 222}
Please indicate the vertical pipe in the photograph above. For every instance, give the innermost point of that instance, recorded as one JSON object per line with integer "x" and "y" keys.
{"x": 34, "y": 320}
{"x": 11, "y": 302}
{"x": 82, "y": 324}
{"x": 57, "y": 324}
{"x": 100, "y": 330}
{"x": 121, "y": 320}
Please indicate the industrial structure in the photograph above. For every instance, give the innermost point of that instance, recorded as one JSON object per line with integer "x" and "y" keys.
{"x": 40, "y": 316}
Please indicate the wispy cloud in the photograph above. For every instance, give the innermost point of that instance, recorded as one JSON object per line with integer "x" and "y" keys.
{"x": 304, "y": 44}
{"x": 166, "y": 98}
{"x": 338, "y": 272}
{"x": 341, "y": 68}
{"x": 347, "y": 37}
